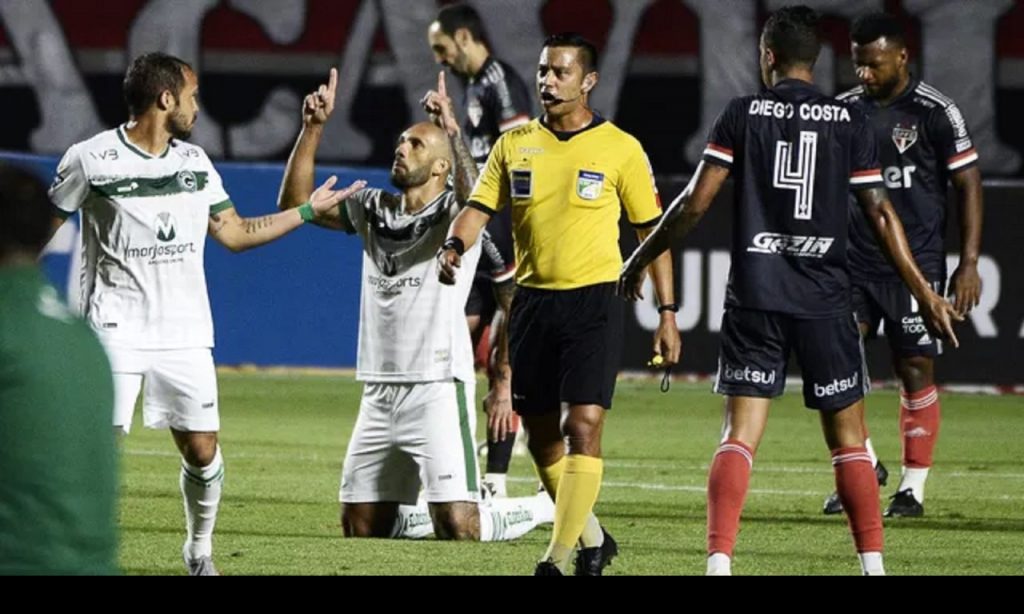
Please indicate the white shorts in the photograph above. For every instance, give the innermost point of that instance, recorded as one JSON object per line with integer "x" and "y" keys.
{"x": 412, "y": 434}
{"x": 180, "y": 389}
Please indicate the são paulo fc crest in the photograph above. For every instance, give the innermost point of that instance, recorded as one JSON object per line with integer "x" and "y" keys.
{"x": 164, "y": 226}
{"x": 589, "y": 184}
{"x": 187, "y": 181}
{"x": 904, "y": 136}
{"x": 475, "y": 112}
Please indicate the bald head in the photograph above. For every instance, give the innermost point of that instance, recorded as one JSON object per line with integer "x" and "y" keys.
{"x": 423, "y": 154}
{"x": 435, "y": 137}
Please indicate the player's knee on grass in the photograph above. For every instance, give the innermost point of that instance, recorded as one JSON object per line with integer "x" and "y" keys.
{"x": 368, "y": 519}
{"x": 456, "y": 521}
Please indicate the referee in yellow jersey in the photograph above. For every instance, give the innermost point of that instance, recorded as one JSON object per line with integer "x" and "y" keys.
{"x": 567, "y": 176}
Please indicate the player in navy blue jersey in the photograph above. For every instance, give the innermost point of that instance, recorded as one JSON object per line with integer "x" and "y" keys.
{"x": 923, "y": 145}
{"x": 795, "y": 154}
{"x": 496, "y": 100}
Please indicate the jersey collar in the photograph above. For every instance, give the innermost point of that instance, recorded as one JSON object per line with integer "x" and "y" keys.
{"x": 121, "y": 134}
{"x": 483, "y": 70}
{"x": 794, "y": 84}
{"x": 565, "y": 136}
{"x": 906, "y": 94}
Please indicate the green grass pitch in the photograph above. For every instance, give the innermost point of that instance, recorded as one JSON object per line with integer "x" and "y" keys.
{"x": 284, "y": 437}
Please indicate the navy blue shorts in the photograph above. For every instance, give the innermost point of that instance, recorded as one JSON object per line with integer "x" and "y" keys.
{"x": 755, "y": 350}
{"x": 891, "y": 305}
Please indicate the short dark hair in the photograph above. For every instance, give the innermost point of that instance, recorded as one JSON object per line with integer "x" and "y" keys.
{"x": 792, "y": 34}
{"x": 869, "y": 28}
{"x": 149, "y": 76}
{"x": 588, "y": 52}
{"x": 25, "y": 211}
{"x": 455, "y": 17}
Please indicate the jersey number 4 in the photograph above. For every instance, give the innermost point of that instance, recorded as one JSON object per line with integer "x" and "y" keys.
{"x": 797, "y": 174}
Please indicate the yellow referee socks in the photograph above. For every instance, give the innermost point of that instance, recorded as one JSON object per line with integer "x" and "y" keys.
{"x": 576, "y": 494}
{"x": 550, "y": 476}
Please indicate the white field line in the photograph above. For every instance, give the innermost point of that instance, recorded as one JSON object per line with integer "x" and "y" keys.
{"x": 701, "y": 489}
{"x": 688, "y": 470}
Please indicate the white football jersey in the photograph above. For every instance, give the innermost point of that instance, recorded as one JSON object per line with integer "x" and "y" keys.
{"x": 144, "y": 226}
{"x": 412, "y": 328}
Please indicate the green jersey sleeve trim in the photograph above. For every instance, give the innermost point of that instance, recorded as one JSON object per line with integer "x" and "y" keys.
{"x": 222, "y": 206}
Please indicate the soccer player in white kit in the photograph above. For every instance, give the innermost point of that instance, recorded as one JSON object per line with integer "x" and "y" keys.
{"x": 416, "y": 420}
{"x": 148, "y": 200}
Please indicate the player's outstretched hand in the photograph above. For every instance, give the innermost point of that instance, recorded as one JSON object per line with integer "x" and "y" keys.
{"x": 324, "y": 198}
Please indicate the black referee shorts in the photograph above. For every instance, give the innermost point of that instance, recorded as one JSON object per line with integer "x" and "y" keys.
{"x": 565, "y": 346}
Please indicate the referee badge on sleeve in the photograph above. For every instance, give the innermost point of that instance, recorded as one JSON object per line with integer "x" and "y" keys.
{"x": 522, "y": 183}
{"x": 589, "y": 184}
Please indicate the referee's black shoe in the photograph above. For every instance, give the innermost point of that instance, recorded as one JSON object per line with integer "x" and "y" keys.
{"x": 592, "y": 561}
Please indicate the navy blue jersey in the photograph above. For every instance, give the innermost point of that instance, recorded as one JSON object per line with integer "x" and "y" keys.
{"x": 922, "y": 141}
{"x": 794, "y": 154}
{"x": 496, "y": 100}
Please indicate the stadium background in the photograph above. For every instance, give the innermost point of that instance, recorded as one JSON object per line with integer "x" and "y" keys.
{"x": 668, "y": 67}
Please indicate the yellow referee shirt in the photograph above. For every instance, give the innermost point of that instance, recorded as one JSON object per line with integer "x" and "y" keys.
{"x": 567, "y": 196}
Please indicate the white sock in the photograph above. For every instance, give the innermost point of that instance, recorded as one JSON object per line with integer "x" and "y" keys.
{"x": 413, "y": 521}
{"x": 201, "y": 488}
{"x": 871, "y": 564}
{"x": 719, "y": 564}
{"x": 507, "y": 519}
{"x": 914, "y": 480}
{"x": 871, "y": 452}
{"x": 520, "y": 448}
{"x": 592, "y": 536}
{"x": 545, "y": 508}
{"x": 497, "y": 482}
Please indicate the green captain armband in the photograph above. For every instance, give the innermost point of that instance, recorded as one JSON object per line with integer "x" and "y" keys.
{"x": 306, "y": 211}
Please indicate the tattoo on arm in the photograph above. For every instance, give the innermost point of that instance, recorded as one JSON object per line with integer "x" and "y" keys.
{"x": 504, "y": 293}
{"x": 499, "y": 368}
{"x": 465, "y": 169}
{"x": 254, "y": 225}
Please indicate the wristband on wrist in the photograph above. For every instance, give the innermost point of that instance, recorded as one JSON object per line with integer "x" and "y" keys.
{"x": 673, "y": 307}
{"x": 306, "y": 212}
{"x": 456, "y": 244}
